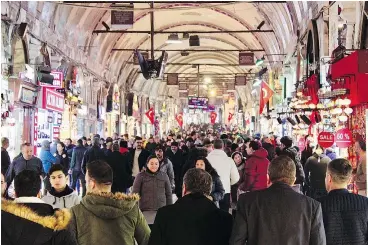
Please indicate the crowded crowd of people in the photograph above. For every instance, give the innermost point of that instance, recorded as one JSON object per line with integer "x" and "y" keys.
{"x": 192, "y": 187}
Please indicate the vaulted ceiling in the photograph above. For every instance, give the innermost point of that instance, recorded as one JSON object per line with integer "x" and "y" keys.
{"x": 75, "y": 23}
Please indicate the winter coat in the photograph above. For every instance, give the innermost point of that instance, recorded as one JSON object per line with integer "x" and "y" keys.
{"x": 193, "y": 219}
{"x": 92, "y": 154}
{"x": 225, "y": 167}
{"x": 177, "y": 161}
{"x": 77, "y": 158}
{"x": 108, "y": 218}
{"x": 218, "y": 190}
{"x": 34, "y": 224}
{"x": 294, "y": 155}
{"x": 63, "y": 159}
{"x": 19, "y": 164}
{"x": 5, "y": 161}
{"x": 122, "y": 172}
{"x": 47, "y": 159}
{"x": 278, "y": 215}
{"x": 345, "y": 217}
{"x": 255, "y": 172}
{"x": 361, "y": 178}
{"x": 142, "y": 158}
{"x": 166, "y": 167}
{"x": 154, "y": 190}
{"x": 315, "y": 174}
{"x": 67, "y": 199}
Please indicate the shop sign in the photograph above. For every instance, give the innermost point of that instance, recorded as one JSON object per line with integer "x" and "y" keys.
{"x": 240, "y": 81}
{"x": 326, "y": 139}
{"x": 57, "y": 82}
{"x": 246, "y": 59}
{"x": 55, "y": 132}
{"x": 35, "y": 131}
{"x": 344, "y": 138}
{"x": 27, "y": 95}
{"x": 122, "y": 19}
{"x": 301, "y": 144}
{"x": 53, "y": 100}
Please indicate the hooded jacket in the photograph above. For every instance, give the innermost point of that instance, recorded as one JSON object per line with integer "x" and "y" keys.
{"x": 47, "y": 159}
{"x": 108, "y": 218}
{"x": 19, "y": 164}
{"x": 293, "y": 154}
{"x": 25, "y": 225}
{"x": 254, "y": 176}
{"x": 66, "y": 199}
{"x": 154, "y": 189}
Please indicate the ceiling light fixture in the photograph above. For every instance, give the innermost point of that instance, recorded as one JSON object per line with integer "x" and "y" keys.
{"x": 106, "y": 26}
{"x": 260, "y": 25}
{"x": 173, "y": 39}
{"x": 207, "y": 80}
{"x": 185, "y": 35}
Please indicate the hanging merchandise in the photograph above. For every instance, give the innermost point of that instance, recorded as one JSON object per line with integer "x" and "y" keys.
{"x": 157, "y": 127}
{"x": 326, "y": 139}
{"x": 344, "y": 138}
{"x": 179, "y": 119}
{"x": 265, "y": 96}
{"x": 151, "y": 115}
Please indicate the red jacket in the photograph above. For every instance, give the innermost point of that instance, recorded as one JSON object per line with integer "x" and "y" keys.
{"x": 255, "y": 172}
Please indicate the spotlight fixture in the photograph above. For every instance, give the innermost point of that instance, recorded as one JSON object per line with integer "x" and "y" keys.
{"x": 173, "y": 39}
{"x": 207, "y": 80}
{"x": 106, "y": 26}
{"x": 184, "y": 53}
{"x": 260, "y": 61}
{"x": 260, "y": 25}
{"x": 279, "y": 120}
{"x": 185, "y": 35}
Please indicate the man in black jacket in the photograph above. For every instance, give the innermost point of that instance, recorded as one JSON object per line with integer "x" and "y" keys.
{"x": 278, "y": 215}
{"x": 289, "y": 150}
{"x": 29, "y": 219}
{"x": 345, "y": 215}
{"x": 76, "y": 166}
{"x": 5, "y": 159}
{"x": 93, "y": 153}
{"x": 194, "y": 218}
{"x": 139, "y": 156}
{"x": 175, "y": 155}
{"x": 121, "y": 169}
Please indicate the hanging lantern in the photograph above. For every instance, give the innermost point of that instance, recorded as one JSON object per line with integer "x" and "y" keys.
{"x": 312, "y": 106}
{"x": 320, "y": 106}
{"x": 338, "y": 110}
{"x": 343, "y": 118}
{"x": 346, "y": 102}
{"x": 348, "y": 110}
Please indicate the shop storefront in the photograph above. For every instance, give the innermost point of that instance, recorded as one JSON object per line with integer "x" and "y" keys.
{"x": 48, "y": 117}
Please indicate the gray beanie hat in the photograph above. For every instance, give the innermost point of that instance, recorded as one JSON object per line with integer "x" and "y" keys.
{"x": 45, "y": 145}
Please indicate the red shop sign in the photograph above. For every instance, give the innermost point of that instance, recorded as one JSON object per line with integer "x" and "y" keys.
{"x": 52, "y": 100}
{"x": 344, "y": 138}
{"x": 301, "y": 144}
{"x": 326, "y": 139}
{"x": 56, "y": 132}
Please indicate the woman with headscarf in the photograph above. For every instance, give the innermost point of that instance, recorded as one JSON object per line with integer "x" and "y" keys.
{"x": 240, "y": 163}
{"x": 47, "y": 160}
{"x": 218, "y": 190}
{"x": 315, "y": 173}
{"x": 153, "y": 186}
